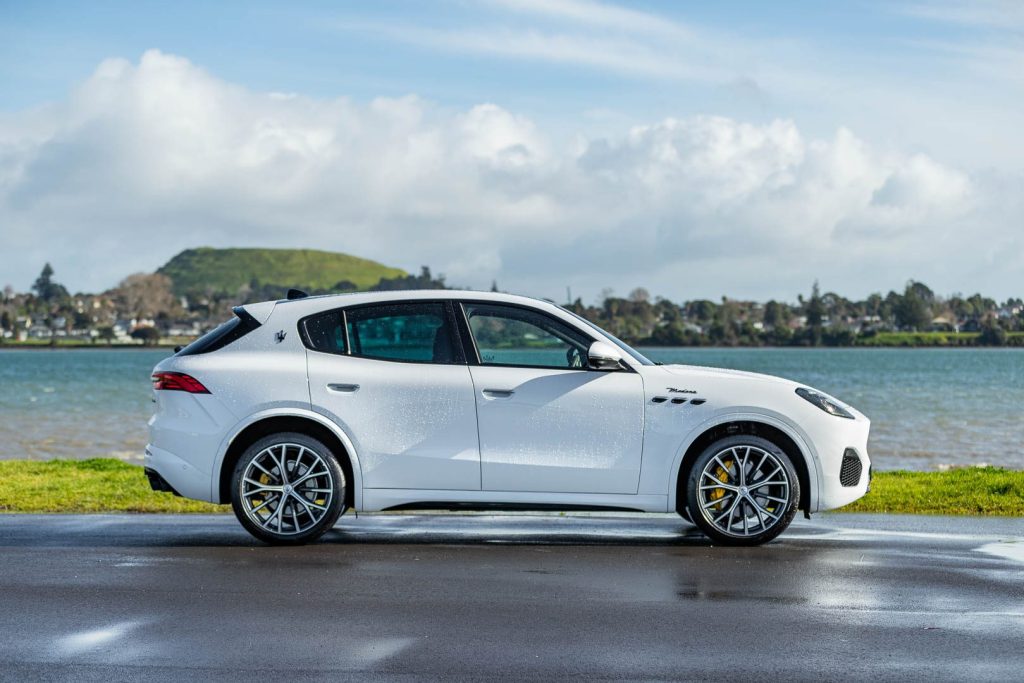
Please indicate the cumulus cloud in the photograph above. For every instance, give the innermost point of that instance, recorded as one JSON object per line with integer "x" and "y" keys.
{"x": 144, "y": 159}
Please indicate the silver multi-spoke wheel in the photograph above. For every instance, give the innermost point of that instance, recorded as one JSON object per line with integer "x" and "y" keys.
{"x": 744, "y": 491}
{"x": 287, "y": 489}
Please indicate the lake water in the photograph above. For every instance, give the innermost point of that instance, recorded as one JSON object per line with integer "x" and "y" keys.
{"x": 929, "y": 407}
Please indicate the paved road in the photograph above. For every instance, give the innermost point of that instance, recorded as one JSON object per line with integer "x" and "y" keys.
{"x": 519, "y": 596}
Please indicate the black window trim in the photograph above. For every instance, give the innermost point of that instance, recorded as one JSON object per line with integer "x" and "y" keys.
{"x": 451, "y": 320}
{"x": 473, "y": 353}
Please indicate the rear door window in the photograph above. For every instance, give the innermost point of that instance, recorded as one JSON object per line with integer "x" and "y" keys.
{"x": 420, "y": 332}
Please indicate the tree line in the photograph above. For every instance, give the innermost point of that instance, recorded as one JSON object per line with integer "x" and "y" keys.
{"x": 143, "y": 307}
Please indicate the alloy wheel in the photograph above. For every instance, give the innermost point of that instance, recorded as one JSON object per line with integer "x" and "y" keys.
{"x": 287, "y": 489}
{"x": 743, "y": 491}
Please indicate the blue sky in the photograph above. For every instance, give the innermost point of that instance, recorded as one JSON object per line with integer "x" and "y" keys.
{"x": 860, "y": 143}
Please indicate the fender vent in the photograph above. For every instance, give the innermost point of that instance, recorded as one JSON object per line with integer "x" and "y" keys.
{"x": 849, "y": 473}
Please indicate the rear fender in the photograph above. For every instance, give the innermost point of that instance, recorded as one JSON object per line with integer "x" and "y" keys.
{"x": 357, "y": 474}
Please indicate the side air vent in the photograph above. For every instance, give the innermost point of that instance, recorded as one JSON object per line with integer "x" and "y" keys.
{"x": 697, "y": 402}
{"x": 678, "y": 401}
{"x": 659, "y": 399}
{"x": 849, "y": 473}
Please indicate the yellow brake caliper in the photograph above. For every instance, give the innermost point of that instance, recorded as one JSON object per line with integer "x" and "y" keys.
{"x": 256, "y": 501}
{"x": 723, "y": 476}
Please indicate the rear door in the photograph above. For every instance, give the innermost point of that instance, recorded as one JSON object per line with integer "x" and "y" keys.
{"x": 394, "y": 377}
{"x": 548, "y": 423}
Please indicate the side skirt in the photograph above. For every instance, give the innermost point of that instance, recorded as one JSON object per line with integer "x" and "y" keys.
{"x": 413, "y": 499}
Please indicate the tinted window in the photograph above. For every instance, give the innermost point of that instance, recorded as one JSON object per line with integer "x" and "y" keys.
{"x": 325, "y": 333}
{"x": 507, "y": 335}
{"x": 418, "y": 332}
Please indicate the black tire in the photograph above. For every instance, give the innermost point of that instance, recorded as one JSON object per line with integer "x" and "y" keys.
{"x": 303, "y": 517}
{"x": 766, "y": 509}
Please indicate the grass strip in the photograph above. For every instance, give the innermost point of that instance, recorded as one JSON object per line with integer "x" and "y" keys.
{"x": 96, "y": 485}
{"x": 962, "y": 491}
{"x": 108, "y": 485}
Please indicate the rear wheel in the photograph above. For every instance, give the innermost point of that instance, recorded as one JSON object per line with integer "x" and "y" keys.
{"x": 742, "y": 490}
{"x": 288, "y": 488}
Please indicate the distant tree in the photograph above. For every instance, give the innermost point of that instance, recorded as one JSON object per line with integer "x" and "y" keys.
{"x": 775, "y": 314}
{"x": 494, "y": 285}
{"x": 145, "y": 295}
{"x": 148, "y": 335}
{"x": 639, "y": 295}
{"x": 106, "y": 333}
{"x": 701, "y": 310}
{"x": 922, "y": 291}
{"x": 46, "y": 289}
{"x": 913, "y": 310}
{"x": 992, "y": 334}
{"x": 814, "y": 309}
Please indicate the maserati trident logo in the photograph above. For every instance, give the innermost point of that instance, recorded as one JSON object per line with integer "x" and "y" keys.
{"x": 281, "y": 334}
{"x": 673, "y": 390}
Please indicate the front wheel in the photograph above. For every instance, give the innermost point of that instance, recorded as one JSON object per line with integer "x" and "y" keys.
{"x": 742, "y": 490}
{"x": 288, "y": 488}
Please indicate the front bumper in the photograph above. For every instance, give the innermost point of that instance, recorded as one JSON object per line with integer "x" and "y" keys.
{"x": 840, "y": 479}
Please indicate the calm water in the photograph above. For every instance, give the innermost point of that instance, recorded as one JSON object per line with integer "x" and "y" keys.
{"x": 929, "y": 407}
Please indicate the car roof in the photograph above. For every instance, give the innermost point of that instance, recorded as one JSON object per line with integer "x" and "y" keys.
{"x": 323, "y": 302}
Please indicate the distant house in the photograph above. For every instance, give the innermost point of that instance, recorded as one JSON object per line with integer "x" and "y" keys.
{"x": 943, "y": 323}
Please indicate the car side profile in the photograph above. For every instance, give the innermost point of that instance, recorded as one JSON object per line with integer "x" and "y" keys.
{"x": 295, "y": 411}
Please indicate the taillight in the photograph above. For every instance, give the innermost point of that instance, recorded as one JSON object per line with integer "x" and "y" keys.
{"x": 178, "y": 381}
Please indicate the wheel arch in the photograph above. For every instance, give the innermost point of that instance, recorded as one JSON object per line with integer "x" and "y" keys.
{"x": 311, "y": 424}
{"x": 782, "y": 435}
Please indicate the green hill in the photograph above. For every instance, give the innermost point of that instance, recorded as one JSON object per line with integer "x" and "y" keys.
{"x": 227, "y": 270}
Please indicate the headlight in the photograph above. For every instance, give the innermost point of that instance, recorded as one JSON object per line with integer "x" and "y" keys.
{"x": 824, "y": 402}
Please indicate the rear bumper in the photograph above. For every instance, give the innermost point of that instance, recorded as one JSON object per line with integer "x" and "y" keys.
{"x": 180, "y": 477}
{"x": 158, "y": 483}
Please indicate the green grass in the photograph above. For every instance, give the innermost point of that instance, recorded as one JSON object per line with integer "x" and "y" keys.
{"x": 963, "y": 491}
{"x": 97, "y": 485}
{"x": 919, "y": 339}
{"x": 227, "y": 270}
{"x": 107, "y": 485}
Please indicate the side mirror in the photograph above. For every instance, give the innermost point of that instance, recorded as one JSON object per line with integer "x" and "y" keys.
{"x": 602, "y": 356}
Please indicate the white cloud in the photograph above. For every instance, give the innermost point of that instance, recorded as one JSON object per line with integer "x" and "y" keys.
{"x": 146, "y": 159}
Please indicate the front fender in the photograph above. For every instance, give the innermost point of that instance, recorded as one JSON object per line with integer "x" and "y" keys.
{"x": 771, "y": 418}
{"x": 357, "y": 473}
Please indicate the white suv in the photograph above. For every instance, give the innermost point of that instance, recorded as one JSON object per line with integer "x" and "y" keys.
{"x": 296, "y": 410}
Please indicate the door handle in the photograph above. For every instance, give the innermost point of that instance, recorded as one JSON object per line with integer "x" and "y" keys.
{"x": 498, "y": 393}
{"x": 343, "y": 388}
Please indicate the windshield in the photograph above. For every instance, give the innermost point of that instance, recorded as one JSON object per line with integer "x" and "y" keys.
{"x": 633, "y": 353}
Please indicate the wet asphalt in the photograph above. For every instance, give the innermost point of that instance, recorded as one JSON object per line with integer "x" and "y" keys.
{"x": 843, "y": 597}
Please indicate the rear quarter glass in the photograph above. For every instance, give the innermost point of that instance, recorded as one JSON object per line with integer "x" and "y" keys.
{"x": 227, "y": 332}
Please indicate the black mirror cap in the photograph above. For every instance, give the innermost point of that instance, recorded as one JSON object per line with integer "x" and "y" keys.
{"x": 296, "y": 294}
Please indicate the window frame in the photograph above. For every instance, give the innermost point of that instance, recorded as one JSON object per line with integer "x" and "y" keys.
{"x": 473, "y": 351}
{"x": 450, "y": 320}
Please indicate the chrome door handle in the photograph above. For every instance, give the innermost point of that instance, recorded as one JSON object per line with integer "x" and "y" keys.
{"x": 343, "y": 388}
{"x": 498, "y": 393}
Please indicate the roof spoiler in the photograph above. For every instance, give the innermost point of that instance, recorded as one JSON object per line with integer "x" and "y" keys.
{"x": 294, "y": 294}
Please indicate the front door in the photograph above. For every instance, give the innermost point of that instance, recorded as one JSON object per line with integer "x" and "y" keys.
{"x": 548, "y": 423}
{"x": 394, "y": 377}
